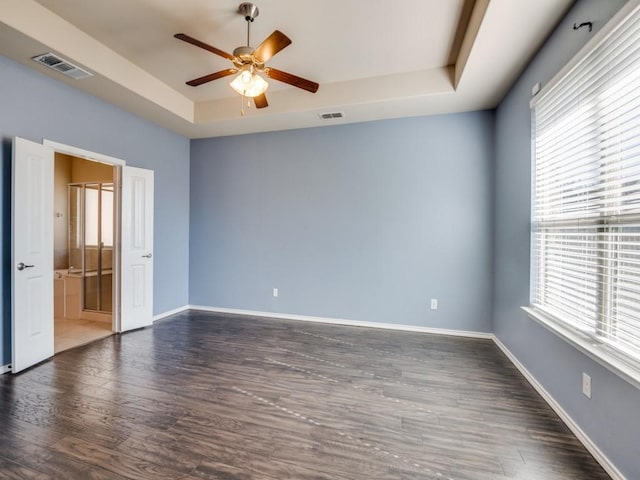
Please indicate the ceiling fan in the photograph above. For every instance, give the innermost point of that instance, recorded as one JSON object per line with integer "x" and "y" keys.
{"x": 249, "y": 62}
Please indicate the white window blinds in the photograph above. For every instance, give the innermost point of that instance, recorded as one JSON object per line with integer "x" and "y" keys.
{"x": 586, "y": 194}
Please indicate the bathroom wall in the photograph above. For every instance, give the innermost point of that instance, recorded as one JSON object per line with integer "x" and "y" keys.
{"x": 60, "y": 207}
{"x": 87, "y": 171}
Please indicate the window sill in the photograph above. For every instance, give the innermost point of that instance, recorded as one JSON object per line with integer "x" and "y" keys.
{"x": 626, "y": 369}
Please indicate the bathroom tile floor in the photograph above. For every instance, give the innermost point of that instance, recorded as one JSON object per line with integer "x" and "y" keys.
{"x": 71, "y": 333}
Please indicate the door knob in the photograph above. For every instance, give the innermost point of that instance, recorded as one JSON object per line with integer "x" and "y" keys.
{"x": 148, "y": 255}
{"x": 22, "y": 266}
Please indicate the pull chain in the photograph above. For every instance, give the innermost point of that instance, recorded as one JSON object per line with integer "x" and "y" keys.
{"x": 242, "y": 112}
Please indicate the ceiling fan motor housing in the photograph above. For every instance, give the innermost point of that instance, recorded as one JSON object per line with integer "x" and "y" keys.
{"x": 245, "y": 53}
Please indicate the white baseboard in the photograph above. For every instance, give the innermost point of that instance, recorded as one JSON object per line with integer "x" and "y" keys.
{"x": 5, "y": 369}
{"x": 593, "y": 449}
{"x": 342, "y": 321}
{"x": 160, "y": 316}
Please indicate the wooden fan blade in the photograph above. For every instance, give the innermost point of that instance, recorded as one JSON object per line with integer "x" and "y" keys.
{"x": 198, "y": 43}
{"x": 212, "y": 76}
{"x": 261, "y": 101}
{"x": 291, "y": 79}
{"x": 271, "y": 45}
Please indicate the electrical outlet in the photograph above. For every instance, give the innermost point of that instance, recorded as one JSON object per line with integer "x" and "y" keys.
{"x": 586, "y": 385}
{"x": 434, "y": 304}
{"x": 275, "y": 292}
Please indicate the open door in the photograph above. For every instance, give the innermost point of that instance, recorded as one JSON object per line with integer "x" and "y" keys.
{"x": 136, "y": 281}
{"x": 31, "y": 254}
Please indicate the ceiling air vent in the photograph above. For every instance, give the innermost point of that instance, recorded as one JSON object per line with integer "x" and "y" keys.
{"x": 61, "y": 65}
{"x": 331, "y": 115}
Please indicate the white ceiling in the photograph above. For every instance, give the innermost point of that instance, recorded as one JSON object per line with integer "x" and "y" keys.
{"x": 373, "y": 60}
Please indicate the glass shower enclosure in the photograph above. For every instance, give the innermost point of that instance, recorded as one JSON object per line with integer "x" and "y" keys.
{"x": 91, "y": 242}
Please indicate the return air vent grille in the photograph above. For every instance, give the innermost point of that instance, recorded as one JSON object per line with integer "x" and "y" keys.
{"x": 331, "y": 115}
{"x": 61, "y": 65}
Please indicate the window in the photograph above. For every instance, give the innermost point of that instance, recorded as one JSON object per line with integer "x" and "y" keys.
{"x": 585, "y": 238}
{"x": 98, "y": 208}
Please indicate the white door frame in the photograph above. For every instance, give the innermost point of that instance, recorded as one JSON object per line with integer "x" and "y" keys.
{"x": 118, "y": 163}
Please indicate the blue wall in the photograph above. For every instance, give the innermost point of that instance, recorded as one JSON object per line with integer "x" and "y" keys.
{"x": 611, "y": 417}
{"x": 363, "y": 222}
{"x": 34, "y": 106}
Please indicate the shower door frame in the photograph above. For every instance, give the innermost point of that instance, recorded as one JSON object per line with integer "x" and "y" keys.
{"x": 100, "y": 187}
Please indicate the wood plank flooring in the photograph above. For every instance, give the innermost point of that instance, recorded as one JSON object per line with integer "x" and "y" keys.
{"x": 205, "y": 396}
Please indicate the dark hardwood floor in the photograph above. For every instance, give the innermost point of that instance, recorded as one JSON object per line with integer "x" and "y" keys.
{"x": 204, "y": 396}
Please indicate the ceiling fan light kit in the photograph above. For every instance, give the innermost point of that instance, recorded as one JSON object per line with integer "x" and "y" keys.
{"x": 249, "y": 84}
{"x": 250, "y": 62}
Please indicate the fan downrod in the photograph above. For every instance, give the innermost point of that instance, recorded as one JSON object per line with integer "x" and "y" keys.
{"x": 245, "y": 53}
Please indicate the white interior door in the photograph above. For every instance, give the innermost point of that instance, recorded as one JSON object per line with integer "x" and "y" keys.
{"x": 32, "y": 254}
{"x": 136, "y": 282}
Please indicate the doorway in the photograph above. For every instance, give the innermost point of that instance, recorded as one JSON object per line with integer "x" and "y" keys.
{"x": 32, "y": 256}
{"x": 84, "y": 257}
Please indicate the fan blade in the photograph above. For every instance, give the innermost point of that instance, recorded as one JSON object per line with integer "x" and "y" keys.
{"x": 271, "y": 45}
{"x": 291, "y": 79}
{"x": 198, "y": 43}
{"x": 212, "y": 76}
{"x": 261, "y": 101}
